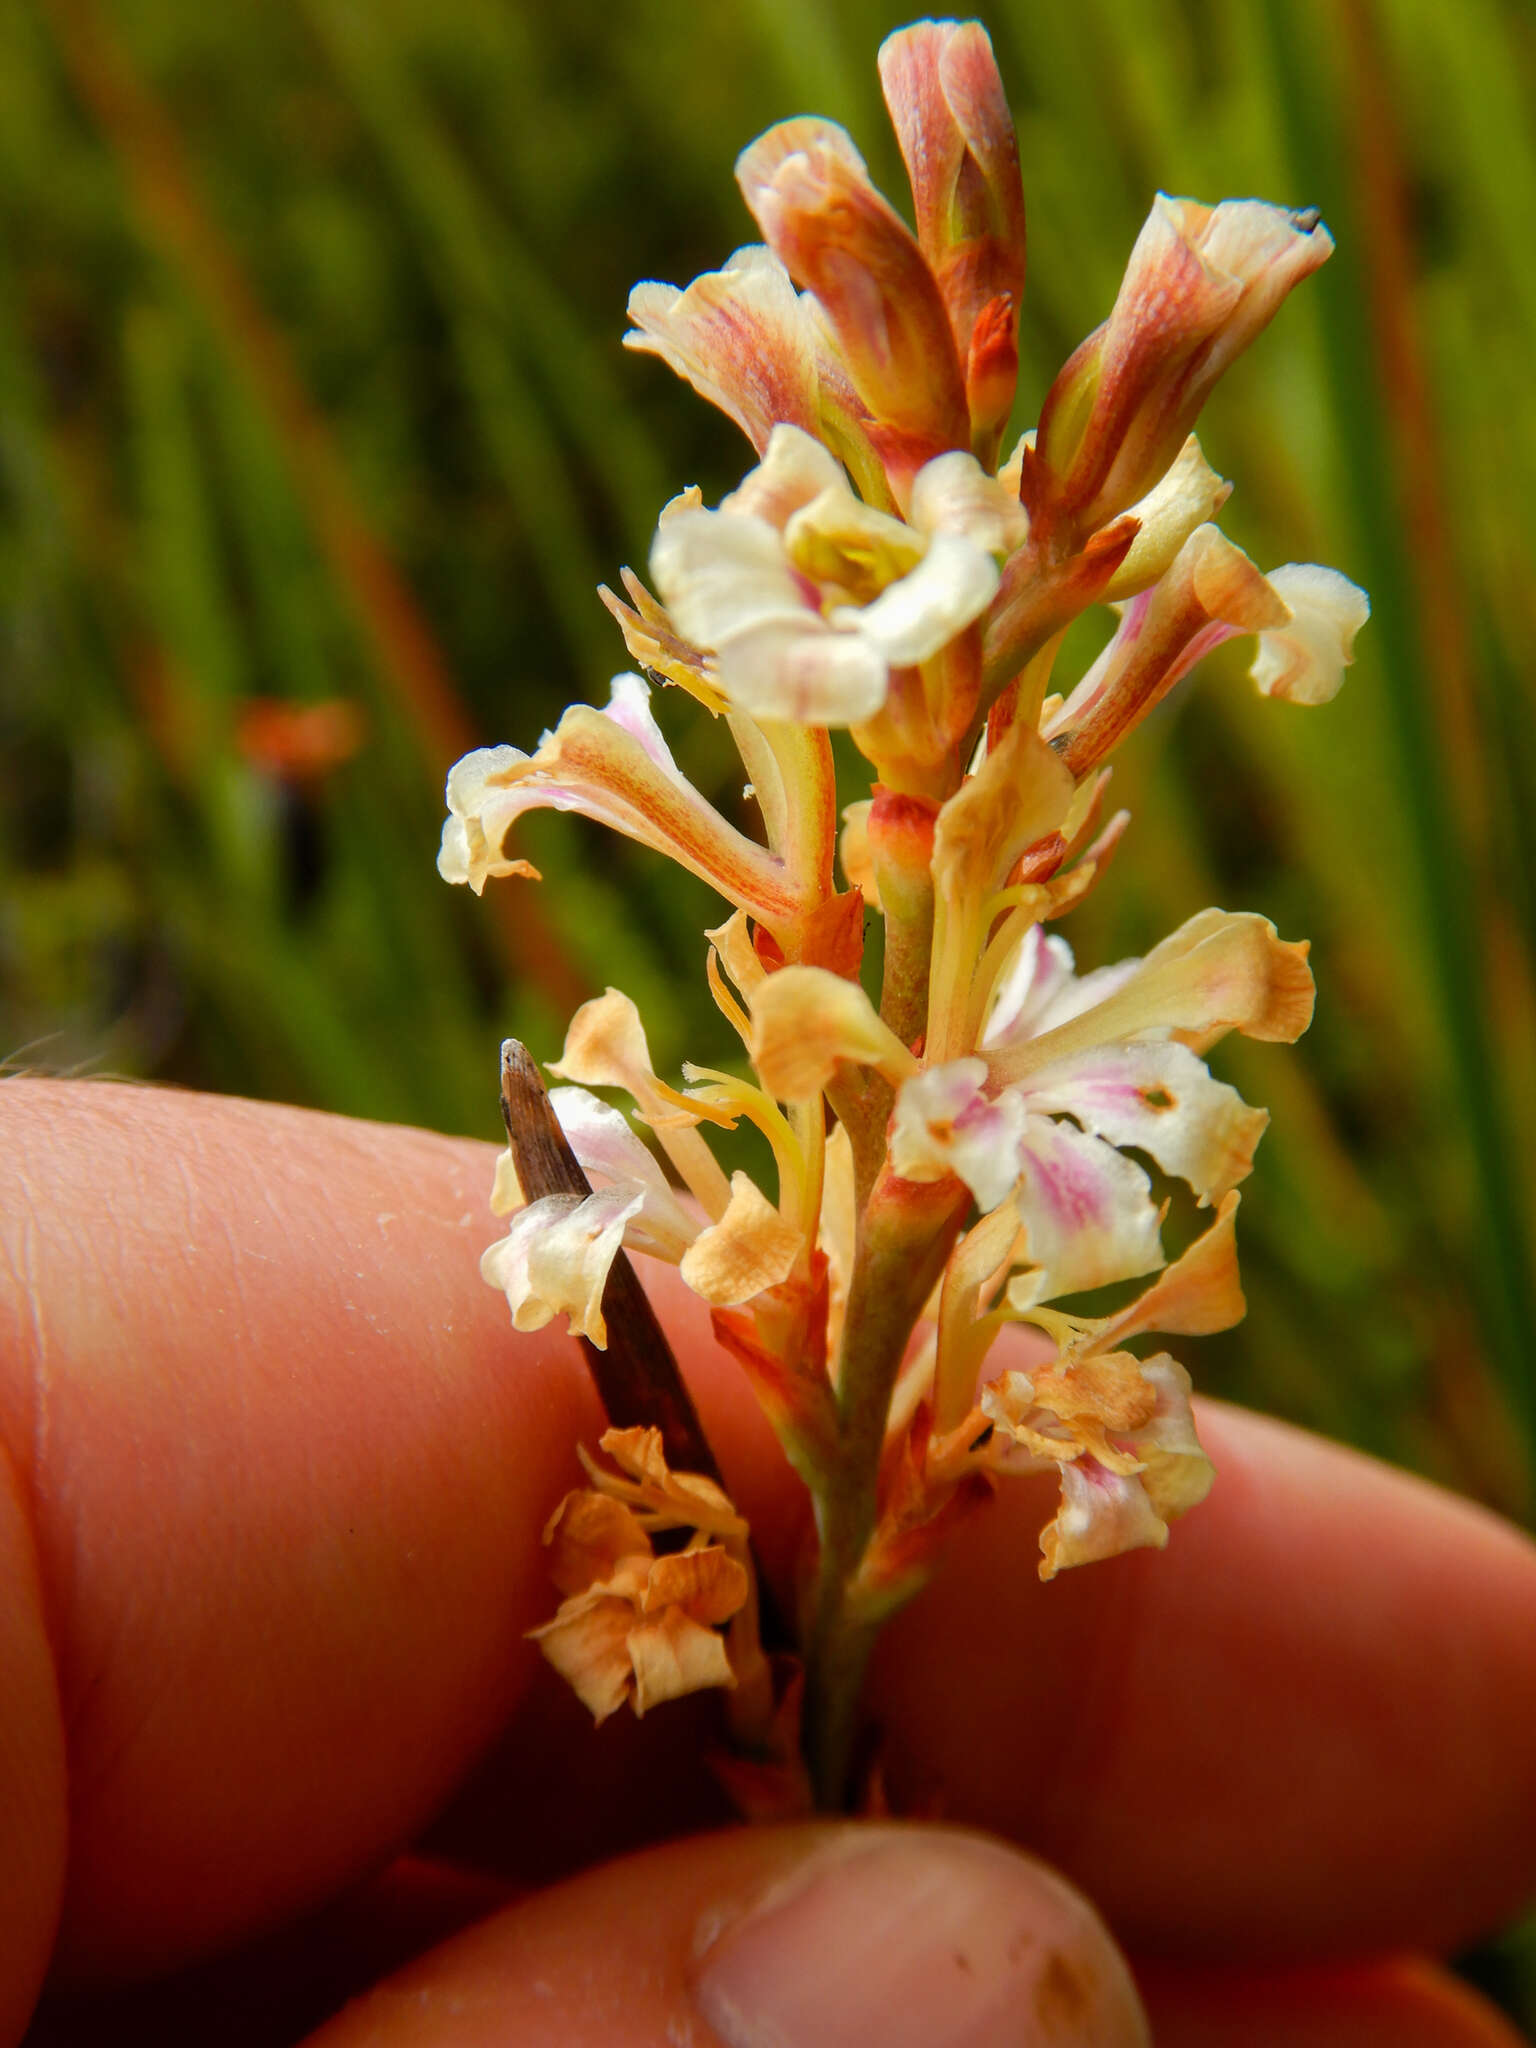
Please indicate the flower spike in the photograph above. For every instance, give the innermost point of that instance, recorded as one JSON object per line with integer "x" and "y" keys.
{"x": 993, "y": 1136}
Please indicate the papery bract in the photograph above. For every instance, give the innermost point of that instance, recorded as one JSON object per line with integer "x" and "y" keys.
{"x": 635, "y": 1626}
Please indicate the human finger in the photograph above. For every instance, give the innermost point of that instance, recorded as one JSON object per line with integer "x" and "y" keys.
{"x": 245, "y": 1785}
{"x": 1399, "y": 2002}
{"x": 1303, "y": 1730}
{"x": 815, "y": 1936}
{"x": 278, "y": 1471}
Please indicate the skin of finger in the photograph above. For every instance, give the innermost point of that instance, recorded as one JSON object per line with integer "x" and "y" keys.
{"x": 1304, "y": 1729}
{"x": 32, "y": 1782}
{"x": 286, "y": 1491}
{"x": 1401, "y": 2002}
{"x": 613, "y": 1957}
{"x": 271, "y": 1993}
{"x": 230, "y": 1233}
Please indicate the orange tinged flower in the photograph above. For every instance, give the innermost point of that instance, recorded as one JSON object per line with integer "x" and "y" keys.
{"x": 951, "y": 118}
{"x": 1201, "y": 284}
{"x": 810, "y": 193}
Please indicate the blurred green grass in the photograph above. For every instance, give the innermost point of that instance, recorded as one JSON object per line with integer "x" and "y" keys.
{"x": 310, "y": 388}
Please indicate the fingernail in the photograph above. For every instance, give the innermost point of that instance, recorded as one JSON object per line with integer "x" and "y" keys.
{"x": 917, "y": 1938}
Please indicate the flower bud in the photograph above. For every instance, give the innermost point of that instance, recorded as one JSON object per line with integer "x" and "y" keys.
{"x": 951, "y": 118}
{"x": 1202, "y": 283}
{"x": 810, "y": 193}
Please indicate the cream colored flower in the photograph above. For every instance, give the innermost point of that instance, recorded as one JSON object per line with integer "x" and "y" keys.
{"x": 615, "y": 767}
{"x": 807, "y": 598}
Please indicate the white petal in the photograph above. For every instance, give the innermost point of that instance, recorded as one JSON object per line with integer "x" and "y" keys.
{"x": 1305, "y": 660}
{"x": 805, "y": 673}
{"x": 944, "y": 1124}
{"x": 453, "y": 855}
{"x": 1190, "y": 494}
{"x": 555, "y": 1258}
{"x": 1159, "y": 1097}
{"x": 795, "y": 470}
{"x": 954, "y": 494}
{"x": 467, "y": 778}
{"x": 723, "y": 574}
{"x": 1087, "y": 1209}
{"x": 911, "y": 620}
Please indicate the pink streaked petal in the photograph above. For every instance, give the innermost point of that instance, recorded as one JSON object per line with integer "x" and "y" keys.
{"x": 604, "y": 1141}
{"x": 944, "y": 1124}
{"x": 1039, "y": 990}
{"x": 1220, "y": 971}
{"x": 1087, "y": 1209}
{"x": 807, "y": 134}
{"x": 740, "y": 336}
{"x": 1158, "y": 1097}
{"x": 810, "y": 194}
{"x": 1040, "y": 968}
{"x": 951, "y": 118}
{"x": 1201, "y": 284}
{"x": 592, "y": 764}
{"x": 629, "y": 706}
{"x": 612, "y": 1154}
{"x": 822, "y": 677}
{"x": 1102, "y": 1514}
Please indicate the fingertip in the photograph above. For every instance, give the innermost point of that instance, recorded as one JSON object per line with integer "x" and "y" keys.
{"x": 815, "y": 1936}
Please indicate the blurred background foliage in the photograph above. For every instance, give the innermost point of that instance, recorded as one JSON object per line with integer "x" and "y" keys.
{"x": 315, "y": 436}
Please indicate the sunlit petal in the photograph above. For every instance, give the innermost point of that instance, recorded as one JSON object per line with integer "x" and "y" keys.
{"x": 1305, "y": 660}
{"x": 1159, "y": 1098}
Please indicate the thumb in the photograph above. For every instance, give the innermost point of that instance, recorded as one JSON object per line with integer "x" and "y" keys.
{"x": 803, "y": 1937}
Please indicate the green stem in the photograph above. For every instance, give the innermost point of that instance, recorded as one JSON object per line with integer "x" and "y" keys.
{"x": 905, "y": 1236}
{"x": 904, "y": 977}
